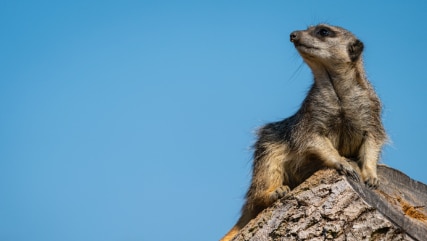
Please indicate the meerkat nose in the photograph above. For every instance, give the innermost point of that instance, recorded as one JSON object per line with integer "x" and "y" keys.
{"x": 294, "y": 36}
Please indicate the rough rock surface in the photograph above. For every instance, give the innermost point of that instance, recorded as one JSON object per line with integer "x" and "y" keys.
{"x": 327, "y": 206}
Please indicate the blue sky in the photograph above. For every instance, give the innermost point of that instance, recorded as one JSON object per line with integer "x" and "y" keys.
{"x": 133, "y": 120}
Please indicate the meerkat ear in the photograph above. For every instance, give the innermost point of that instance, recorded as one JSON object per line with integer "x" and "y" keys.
{"x": 355, "y": 50}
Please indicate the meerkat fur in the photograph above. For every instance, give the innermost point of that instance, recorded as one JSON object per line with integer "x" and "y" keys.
{"x": 337, "y": 126}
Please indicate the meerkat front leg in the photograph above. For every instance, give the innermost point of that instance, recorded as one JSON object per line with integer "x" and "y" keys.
{"x": 368, "y": 159}
{"x": 323, "y": 149}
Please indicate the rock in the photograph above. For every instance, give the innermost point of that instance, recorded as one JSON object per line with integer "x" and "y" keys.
{"x": 328, "y": 206}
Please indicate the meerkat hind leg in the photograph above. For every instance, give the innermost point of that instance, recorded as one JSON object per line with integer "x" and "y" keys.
{"x": 279, "y": 193}
{"x": 270, "y": 175}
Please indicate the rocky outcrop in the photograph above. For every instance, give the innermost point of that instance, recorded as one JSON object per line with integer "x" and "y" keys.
{"x": 328, "y": 206}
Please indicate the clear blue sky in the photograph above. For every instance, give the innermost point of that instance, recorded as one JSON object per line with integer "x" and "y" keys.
{"x": 133, "y": 120}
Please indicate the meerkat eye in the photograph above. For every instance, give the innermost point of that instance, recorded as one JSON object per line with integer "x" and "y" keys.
{"x": 323, "y": 32}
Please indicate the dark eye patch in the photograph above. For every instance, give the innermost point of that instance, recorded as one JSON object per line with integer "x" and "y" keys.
{"x": 323, "y": 32}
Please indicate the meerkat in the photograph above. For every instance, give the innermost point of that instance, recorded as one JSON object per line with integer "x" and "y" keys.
{"x": 337, "y": 126}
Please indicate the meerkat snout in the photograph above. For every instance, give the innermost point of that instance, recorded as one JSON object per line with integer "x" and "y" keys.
{"x": 294, "y": 36}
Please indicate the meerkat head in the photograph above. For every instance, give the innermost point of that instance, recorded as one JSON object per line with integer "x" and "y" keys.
{"x": 327, "y": 45}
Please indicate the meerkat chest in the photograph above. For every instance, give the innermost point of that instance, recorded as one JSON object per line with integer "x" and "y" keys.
{"x": 349, "y": 124}
{"x": 347, "y": 134}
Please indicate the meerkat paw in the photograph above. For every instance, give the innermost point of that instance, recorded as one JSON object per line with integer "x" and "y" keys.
{"x": 346, "y": 169}
{"x": 370, "y": 178}
{"x": 372, "y": 182}
{"x": 279, "y": 193}
{"x": 369, "y": 174}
